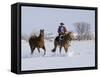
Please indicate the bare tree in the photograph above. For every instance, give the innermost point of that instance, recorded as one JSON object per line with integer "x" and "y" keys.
{"x": 83, "y": 30}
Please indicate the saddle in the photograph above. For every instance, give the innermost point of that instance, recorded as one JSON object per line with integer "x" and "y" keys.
{"x": 61, "y": 38}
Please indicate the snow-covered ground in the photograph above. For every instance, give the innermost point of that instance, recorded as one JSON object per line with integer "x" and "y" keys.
{"x": 80, "y": 54}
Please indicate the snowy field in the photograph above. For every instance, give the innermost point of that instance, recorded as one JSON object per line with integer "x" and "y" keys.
{"x": 80, "y": 54}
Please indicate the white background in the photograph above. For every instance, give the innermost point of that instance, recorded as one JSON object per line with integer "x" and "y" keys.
{"x": 5, "y": 42}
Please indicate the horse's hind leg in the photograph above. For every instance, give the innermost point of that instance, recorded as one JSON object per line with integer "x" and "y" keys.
{"x": 38, "y": 49}
{"x": 60, "y": 49}
{"x": 55, "y": 46}
{"x": 54, "y": 49}
{"x": 44, "y": 50}
{"x": 32, "y": 49}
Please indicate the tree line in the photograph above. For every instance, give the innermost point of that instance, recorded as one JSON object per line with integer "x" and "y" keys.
{"x": 83, "y": 30}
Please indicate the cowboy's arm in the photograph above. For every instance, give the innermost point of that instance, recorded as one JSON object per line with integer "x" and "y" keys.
{"x": 59, "y": 30}
{"x": 65, "y": 29}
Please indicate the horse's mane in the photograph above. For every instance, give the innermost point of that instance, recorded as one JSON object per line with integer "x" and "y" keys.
{"x": 68, "y": 37}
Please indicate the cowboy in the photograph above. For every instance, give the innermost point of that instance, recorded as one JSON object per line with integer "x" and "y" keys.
{"x": 61, "y": 30}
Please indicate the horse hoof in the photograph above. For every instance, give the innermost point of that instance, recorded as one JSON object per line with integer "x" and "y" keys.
{"x": 43, "y": 54}
{"x": 53, "y": 50}
{"x": 31, "y": 53}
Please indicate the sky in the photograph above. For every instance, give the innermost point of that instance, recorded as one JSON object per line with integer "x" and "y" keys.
{"x": 35, "y": 18}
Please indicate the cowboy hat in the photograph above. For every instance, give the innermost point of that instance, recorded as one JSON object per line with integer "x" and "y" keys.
{"x": 61, "y": 23}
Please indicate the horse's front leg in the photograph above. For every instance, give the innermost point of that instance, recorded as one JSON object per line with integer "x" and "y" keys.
{"x": 66, "y": 48}
{"x": 44, "y": 50}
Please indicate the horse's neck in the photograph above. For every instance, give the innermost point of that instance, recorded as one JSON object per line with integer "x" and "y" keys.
{"x": 66, "y": 37}
{"x": 41, "y": 37}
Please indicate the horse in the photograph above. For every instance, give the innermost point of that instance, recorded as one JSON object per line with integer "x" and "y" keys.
{"x": 66, "y": 39}
{"x": 37, "y": 42}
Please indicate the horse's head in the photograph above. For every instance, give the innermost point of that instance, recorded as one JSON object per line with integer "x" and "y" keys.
{"x": 42, "y": 32}
{"x": 69, "y": 36}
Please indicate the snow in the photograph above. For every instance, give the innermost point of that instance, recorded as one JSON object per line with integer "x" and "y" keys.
{"x": 80, "y": 54}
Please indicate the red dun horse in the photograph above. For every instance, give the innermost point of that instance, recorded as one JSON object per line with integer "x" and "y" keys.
{"x": 66, "y": 38}
{"x": 37, "y": 42}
